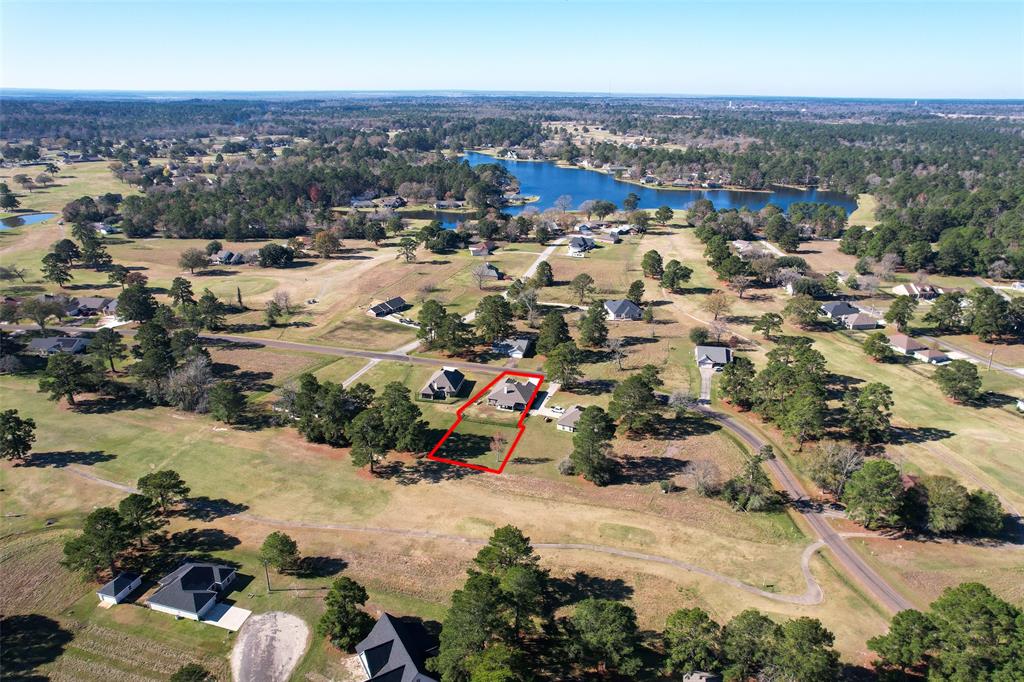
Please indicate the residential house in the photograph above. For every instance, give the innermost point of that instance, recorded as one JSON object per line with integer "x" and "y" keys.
{"x": 191, "y": 590}
{"x": 745, "y": 250}
{"x": 1017, "y": 286}
{"x": 859, "y": 322}
{"x": 511, "y": 395}
{"x": 443, "y": 384}
{"x": 223, "y": 257}
{"x": 395, "y": 651}
{"x": 901, "y": 343}
{"x": 513, "y": 348}
{"x": 120, "y": 587}
{"x": 622, "y": 310}
{"x": 701, "y": 676}
{"x": 388, "y": 307}
{"x": 712, "y": 356}
{"x": 91, "y": 305}
{"x": 578, "y": 246}
{"x": 650, "y": 180}
{"x": 919, "y": 291}
{"x": 392, "y": 202}
{"x": 607, "y": 238}
{"x": 837, "y": 310}
{"x": 488, "y": 271}
{"x": 931, "y": 356}
{"x": 481, "y": 248}
{"x": 567, "y": 422}
{"x": 448, "y": 204}
{"x": 363, "y": 203}
{"x": 57, "y": 344}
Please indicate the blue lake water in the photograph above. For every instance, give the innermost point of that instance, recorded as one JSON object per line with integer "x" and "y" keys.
{"x": 549, "y": 181}
{"x": 22, "y": 220}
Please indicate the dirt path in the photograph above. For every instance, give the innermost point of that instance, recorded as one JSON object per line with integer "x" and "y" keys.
{"x": 812, "y": 593}
{"x": 269, "y": 647}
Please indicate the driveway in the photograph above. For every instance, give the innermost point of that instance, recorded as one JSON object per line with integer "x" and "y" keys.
{"x": 706, "y": 373}
{"x": 226, "y": 616}
{"x": 269, "y": 648}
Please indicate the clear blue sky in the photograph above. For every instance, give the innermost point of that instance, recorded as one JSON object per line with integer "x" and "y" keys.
{"x": 829, "y": 49}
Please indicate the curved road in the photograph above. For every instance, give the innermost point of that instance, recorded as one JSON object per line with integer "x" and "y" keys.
{"x": 854, "y": 564}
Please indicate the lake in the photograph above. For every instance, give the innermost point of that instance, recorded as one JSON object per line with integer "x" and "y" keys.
{"x": 22, "y": 220}
{"x": 549, "y": 181}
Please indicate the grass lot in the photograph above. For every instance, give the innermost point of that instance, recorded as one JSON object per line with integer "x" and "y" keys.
{"x": 73, "y": 182}
{"x": 867, "y": 205}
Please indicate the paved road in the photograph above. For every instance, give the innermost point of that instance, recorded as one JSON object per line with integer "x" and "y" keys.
{"x": 848, "y": 558}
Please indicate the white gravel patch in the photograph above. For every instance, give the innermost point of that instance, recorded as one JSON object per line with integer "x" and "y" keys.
{"x": 269, "y": 647}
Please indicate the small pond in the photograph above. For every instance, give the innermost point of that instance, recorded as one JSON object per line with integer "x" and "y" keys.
{"x": 23, "y": 220}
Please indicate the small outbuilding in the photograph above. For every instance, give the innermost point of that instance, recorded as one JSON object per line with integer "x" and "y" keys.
{"x": 567, "y": 422}
{"x": 120, "y": 587}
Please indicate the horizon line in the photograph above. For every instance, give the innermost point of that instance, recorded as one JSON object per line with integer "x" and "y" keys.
{"x": 462, "y": 92}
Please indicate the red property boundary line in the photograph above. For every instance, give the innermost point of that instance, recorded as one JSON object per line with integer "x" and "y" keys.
{"x": 520, "y": 428}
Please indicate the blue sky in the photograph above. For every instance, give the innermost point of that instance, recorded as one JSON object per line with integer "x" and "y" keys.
{"x": 827, "y": 49}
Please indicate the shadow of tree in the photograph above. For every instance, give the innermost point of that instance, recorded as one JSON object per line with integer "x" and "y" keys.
{"x": 649, "y": 469}
{"x": 62, "y": 458}
{"x": 207, "y": 509}
{"x": 594, "y": 386}
{"x": 319, "y": 566}
{"x": 581, "y": 585}
{"x": 902, "y": 435}
{"x": 29, "y": 641}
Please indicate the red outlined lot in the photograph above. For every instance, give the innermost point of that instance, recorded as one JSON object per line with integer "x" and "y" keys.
{"x": 519, "y": 426}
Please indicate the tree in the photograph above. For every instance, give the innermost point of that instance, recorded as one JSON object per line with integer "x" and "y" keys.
{"x": 751, "y": 489}
{"x": 104, "y": 537}
{"x": 737, "y": 382}
{"x": 191, "y": 259}
{"x": 901, "y": 311}
{"x": 804, "y": 652}
{"x": 908, "y": 643}
{"x": 631, "y": 201}
{"x": 582, "y": 285}
{"x": 164, "y": 487}
{"x": 227, "y": 402}
{"x": 675, "y": 275}
{"x": 959, "y": 380}
{"x": 16, "y": 435}
{"x": 401, "y": 418}
{"x": 802, "y": 310}
{"x": 343, "y": 622}
{"x": 593, "y": 325}
{"x": 154, "y": 357}
{"x": 947, "y": 312}
{"x": 56, "y": 270}
{"x": 407, "y": 249}
{"x": 499, "y": 663}
{"x": 563, "y": 364}
{"x": 717, "y": 303}
{"x": 67, "y": 251}
{"x": 985, "y": 514}
{"x": 139, "y": 515}
{"x": 8, "y": 201}
{"x": 493, "y": 318}
{"x": 768, "y": 324}
{"x": 868, "y": 411}
{"x": 543, "y": 277}
{"x": 633, "y": 403}
{"x": 651, "y": 264}
{"x": 210, "y": 312}
{"x": 326, "y": 243}
{"x": 979, "y": 635}
{"x": 40, "y": 310}
{"x": 212, "y": 247}
{"x": 430, "y": 319}
{"x": 553, "y": 332}
{"x": 693, "y": 641}
{"x": 65, "y": 376}
{"x": 874, "y": 494}
{"x": 107, "y": 344}
{"x": 664, "y": 214}
{"x": 118, "y": 274}
{"x": 473, "y": 619}
{"x": 192, "y": 672}
{"x": 507, "y": 547}
{"x": 947, "y": 503}
{"x": 749, "y": 643}
{"x": 136, "y": 303}
{"x": 280, "y": 551}
{"x": 605, "y": 634}
{"x": 181, "y": 291}
{"x": 831, "y": 465}
{"x": 876, "y": 345}
{"x": 636, "y": 292}
{"x": 594, "y": 430}
{"x": 275, "y": 256}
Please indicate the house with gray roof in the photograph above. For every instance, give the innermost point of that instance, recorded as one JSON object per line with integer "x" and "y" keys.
{"x": 57, "y": 344}
{"x": 513, "y": 348}
{"x": 392, "y": 305}
{"x": 395, "y": 651}
{"x": 837, "y": 310}
{"x": 91, "y": 305}
{"x": 192, "y": 589}
{"x": 622, "y": 310}
{"x": 488, "y": 271}
{"x": 443, "y": 384}
{"x": 859, "y": 321}
{"x": 511, "y": 395}
{"x": 578, "y": 246}
{"x": 120, "y": 587}
{"x": 567, "y": 422}
{"x": 713, "y": 356}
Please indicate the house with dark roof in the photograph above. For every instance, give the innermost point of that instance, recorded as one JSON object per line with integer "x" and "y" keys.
{"x": 622, "y": 310}
{"x": 363, "y": 203}
{"x": 223, "y": 257}
{"x": 392, "y": 305}
{"x": 120, "y": 587}
{"x": 448, "y": 204}
{"x": 91, "y": 305}
{"x": 713, "y": 356}
{"x": 443, "y": 384}
{"x": 567, "y": 422}
{"x": 513, "y": 348}
{"x": 578, "y": 246}
{"x": 191, "y": 590}
{"x": 57, "y": 344}
{"x": 511, "y": 395}
{"x": 395, "y": 651}
{"x": 392, "y": 202}
{"x": 488, "y": 271}
{"x": 837, "y": 310}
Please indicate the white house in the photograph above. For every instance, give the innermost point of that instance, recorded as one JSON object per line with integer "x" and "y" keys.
{"x": 191, "y": 590}
{"x": 120, "y": 587}
{"x": 567, "y": 422}
{"x": 622, "y": 310}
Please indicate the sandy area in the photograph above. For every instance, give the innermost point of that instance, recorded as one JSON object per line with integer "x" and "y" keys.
{"x": 269, "y": 647}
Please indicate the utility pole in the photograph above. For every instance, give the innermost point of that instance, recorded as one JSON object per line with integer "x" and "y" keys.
{"x": 266, "y": 571}
{"x": 990, "y": 354}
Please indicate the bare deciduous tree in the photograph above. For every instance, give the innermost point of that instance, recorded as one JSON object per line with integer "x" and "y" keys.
{"x": 706, "y": 477}
{"x": 284, "y": 300}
